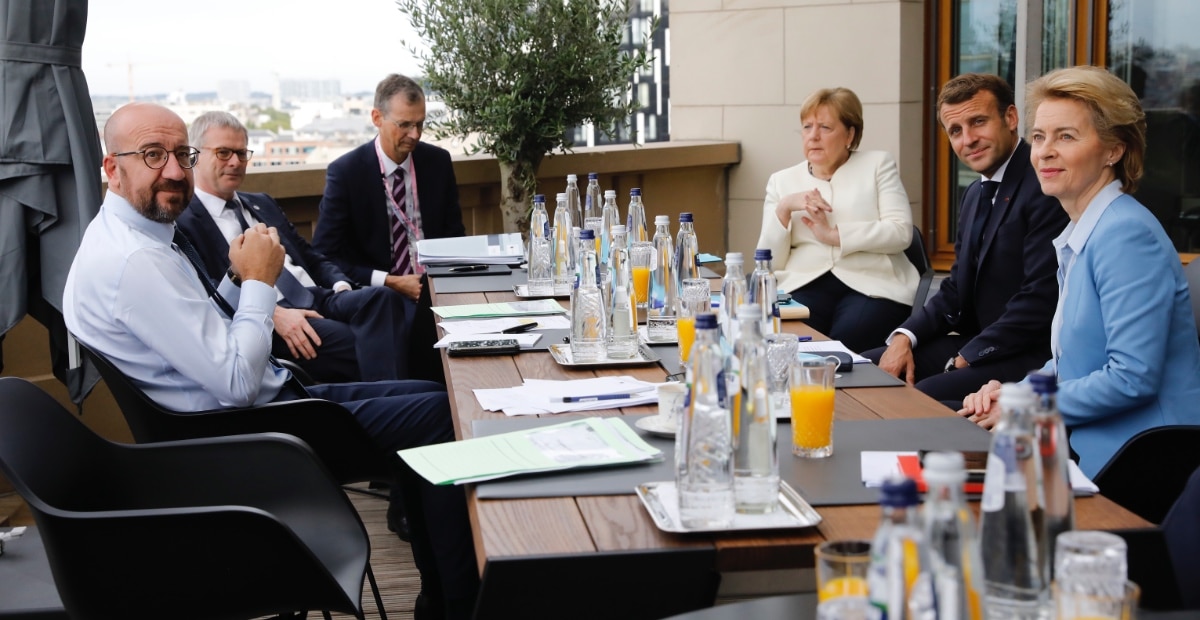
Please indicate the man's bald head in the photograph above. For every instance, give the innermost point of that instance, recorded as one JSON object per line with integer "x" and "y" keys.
{"x": 158, "y": 194}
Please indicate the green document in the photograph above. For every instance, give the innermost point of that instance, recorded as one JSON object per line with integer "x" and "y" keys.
{"x": 586, "y": 442}
{"x": 513, "y": 308}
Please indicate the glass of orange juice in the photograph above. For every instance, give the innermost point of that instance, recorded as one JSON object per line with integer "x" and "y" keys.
{"x": 695, "y": 298}
{"x": 842, "y": 568}
{"x": 811, "y": 382}
{"x": 641, "y": 259}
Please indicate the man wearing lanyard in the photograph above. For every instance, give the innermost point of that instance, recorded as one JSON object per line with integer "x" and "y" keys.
{"x": 383, "y": 197}
{"x": 334, "y": 332}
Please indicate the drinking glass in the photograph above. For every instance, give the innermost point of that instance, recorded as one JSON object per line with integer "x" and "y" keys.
{"x": 781, "y": 350}
{"x": 641, "y": 259}
{"x": 1121, "y": 605}
{"x": 842, "y": 568}
{"x": 595, "y": 224}
{"x": 811, "y": 381}
{"x": 541, "y": 259}
{"x": 848, "y": 608}
{"x": 1090, "y": 563}
{"x": 694, "y": 298}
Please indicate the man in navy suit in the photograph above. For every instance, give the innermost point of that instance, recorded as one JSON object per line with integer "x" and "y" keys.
{"x": 336, "y": 333}
{"x": 990, "y": 319}
{"x": 383, "y": 197}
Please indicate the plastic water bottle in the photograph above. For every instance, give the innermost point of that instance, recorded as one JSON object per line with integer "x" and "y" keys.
{"x": 662, "y": 279}
{"x": 763, "y": 290}
{"x": 686, "y": 249}
{"x": 898, "y": 582}
{"x": 564, "y": 269}
{"x": 622, "y": 322}
{"x": 635, "y": 220}
{"x": 574, "y": 204}
{"x": 588, "y": 323}
{"x": 541, "y": 250}
{"x": 1056, "y": 501}
{"x": 704, "y": 442}
{"x": 755, "y": 460}
{"x": 733, "y": 294}
{"x": 610, "y": 216}
{"x": 1012, "y": 577}
{"x": 955, "y": 564}
{"x": 592, "y": 197}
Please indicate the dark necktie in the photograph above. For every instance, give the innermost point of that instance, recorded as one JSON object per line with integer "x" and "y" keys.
{"x": 987, "y": 191}
{"x": 292, "y": 289}
{"x": 401, "y": 257}
{"x": 189, "y": 251}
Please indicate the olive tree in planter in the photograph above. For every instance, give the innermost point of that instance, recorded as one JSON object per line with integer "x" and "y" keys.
{"x": 516, "y": 75}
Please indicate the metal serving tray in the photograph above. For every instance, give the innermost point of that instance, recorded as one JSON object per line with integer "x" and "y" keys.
{"x": 661, "y": 501}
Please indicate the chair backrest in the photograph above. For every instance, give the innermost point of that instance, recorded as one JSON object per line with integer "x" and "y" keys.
{"x": 1192, "y": 271}
{"x": 1150, "y": 471}
{"x": 1183, "y": 540}
{"x": 920, "y": 259}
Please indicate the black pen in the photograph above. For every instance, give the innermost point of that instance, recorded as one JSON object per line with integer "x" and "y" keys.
{"x": 520, "y": 329}
{"x": 466, "y": 268}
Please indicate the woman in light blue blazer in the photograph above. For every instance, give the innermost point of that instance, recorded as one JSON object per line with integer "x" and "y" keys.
{"x": 1123, "y": 336}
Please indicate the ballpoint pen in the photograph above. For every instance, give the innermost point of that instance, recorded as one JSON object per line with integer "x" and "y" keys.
{"x": 588, "y": 399}
{"x": 804, "y": 338}
{"x": 520, "y": 329}
{"x": 466, "y": 268}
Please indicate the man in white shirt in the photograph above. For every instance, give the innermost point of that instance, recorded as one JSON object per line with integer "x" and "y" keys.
{"x": 335, "y": 333}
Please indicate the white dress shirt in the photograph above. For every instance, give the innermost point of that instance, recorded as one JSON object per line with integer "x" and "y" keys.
{"x": 389, "y": 168}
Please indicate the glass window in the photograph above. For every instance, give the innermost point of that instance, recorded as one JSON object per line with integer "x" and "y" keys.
{"x": 1152, "y": 46}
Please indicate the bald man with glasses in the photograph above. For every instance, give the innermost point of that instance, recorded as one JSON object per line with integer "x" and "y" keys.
{"x": 334, "y": 332}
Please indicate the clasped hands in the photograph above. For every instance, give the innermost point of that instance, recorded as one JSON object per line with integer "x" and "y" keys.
{"x": 813, "y": 212}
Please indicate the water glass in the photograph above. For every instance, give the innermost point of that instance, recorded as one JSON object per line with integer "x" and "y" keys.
{"x": 811, "y": 383}
{"x": 781, "y": 350}
{"x": 541, "y": 259}
{"x": 842, "y": 569}
{"x": 1121, "y": 605}
{"x": 595, "y": 224}
{"x": 694, "y": 298}
{"x": 1090, "y": 563}
{"x": 641, "y": 259}
{"x": 848, "y": 608}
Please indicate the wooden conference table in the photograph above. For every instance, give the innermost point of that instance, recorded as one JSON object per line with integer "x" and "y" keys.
{"x": 602, "y": 556}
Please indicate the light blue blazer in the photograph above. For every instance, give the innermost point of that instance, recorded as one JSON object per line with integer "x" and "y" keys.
{"x": 1130, "y": 358}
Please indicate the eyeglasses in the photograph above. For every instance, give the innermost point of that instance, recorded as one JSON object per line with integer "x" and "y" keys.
{"x": 406, "y": 126}
{"x": 155, "y": 157}
{"x": 224, "y": 154}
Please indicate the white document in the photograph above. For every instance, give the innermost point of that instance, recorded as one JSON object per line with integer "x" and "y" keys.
{"x": 500, "y": 249}
{"x": 831, "y": 345}
{"x": 526, "y": 340}
{"x": 878, "y": 466}
{"x": 539, "y": 396}
{"x": 496, "y": 326}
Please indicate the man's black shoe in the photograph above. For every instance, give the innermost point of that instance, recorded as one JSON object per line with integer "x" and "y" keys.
{"x": 397, "y": 522}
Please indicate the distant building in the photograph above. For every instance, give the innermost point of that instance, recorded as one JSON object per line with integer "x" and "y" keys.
{"x": 309, "y": 90}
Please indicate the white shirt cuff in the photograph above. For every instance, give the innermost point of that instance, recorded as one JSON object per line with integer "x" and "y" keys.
{"x": 341, "y": 285}
{"x": 911, "y": 338}
{"x": 378, "y": 278}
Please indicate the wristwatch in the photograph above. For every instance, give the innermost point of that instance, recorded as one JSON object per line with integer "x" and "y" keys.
{"x": 237, "y": 280}
{"x": 950, "y": 364}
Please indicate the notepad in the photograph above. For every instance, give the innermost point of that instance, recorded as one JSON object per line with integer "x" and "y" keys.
{"x": 512, "y": 308}
{"x": 500, "y": 249}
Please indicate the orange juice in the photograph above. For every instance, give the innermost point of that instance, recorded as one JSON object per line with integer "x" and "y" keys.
{"x": 842, "y": 586}
{"x": 686, "y": 328}
{"x": 812, "y": 417}
{"x": 641, "y": 283}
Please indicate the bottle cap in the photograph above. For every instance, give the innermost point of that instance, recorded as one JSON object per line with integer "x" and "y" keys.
{"x": 762, "y": 254}
{"x": 662, "y": 219}
{"x": 593, "y": 175}
{"x": 539, "y": 198}
{"x": 561, "y": 196}
{"x": 610, "y": 193}
{"x": 635, "y": 191}
{"x": 586, "y": 234}
{"x": 898, "y": 493}
{"x": 685, "y": 217}
{"x": 1042, "y": 383}
{"x": 571, "y": 177}
{"x": 617, "y": 229}
{"x": 706, "y": 320}
{"x": 1014, "y": 396}
{"x": 944, "y": 468}
{"x": 733, "y": 258}
{"x": 748, "y": 311}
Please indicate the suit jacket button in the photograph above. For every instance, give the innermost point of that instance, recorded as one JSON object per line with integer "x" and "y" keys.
{"x": 987, "y": 351}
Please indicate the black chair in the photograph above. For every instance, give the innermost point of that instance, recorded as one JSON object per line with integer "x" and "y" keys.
{"x": 1181, "y": 527}
{"x": 1150, "y": 471}
{"x": 328, "y": 428}
{"x": 920, "y": 259}
{"x": 232, "y": 527}
{"x": 1192, "y": 271}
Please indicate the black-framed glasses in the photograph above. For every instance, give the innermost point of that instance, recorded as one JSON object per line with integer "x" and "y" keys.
{"x": 155, "y": 157}
{"x": 406, "y": 126}
{"x": 224, "y": 154}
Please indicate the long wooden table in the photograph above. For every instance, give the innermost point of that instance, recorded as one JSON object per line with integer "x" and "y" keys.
{"x": 597, "y": 554}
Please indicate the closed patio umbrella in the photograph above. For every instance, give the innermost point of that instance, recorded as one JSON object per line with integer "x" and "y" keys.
{"x": 49, "y": 165}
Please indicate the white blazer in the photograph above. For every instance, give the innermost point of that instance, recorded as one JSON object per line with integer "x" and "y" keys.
{"x": 874, "y": 220}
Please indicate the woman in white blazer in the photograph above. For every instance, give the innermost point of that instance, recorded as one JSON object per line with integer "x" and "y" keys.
{"x": 837, "y": 226}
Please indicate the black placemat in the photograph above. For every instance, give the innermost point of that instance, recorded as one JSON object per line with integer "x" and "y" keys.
{"x": 452, "y": 271}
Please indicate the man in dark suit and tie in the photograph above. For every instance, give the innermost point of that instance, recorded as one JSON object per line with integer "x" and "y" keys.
{"x": 383, "y": 197}
{"x": 990, "y": 319}
{"x": 334, "y": 332}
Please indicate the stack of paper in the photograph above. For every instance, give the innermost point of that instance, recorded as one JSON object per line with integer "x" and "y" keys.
{"x": 810, "y": 346}
{"x": 497, "y": 326}
{"x": 512, "y": 308}
{"x": 587, "y": 442}
{"x": 504, "y": 249}
{"x": 538, "y": 396}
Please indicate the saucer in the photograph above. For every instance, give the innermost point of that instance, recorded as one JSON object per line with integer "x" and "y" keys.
{"x": 655, "y": 425}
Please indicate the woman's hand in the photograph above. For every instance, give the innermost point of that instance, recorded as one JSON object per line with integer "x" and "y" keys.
{"x": 815, "y": 215}
{"x": 980, "y": 407}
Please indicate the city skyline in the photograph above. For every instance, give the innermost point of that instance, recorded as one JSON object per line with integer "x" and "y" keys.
{"x": 357, "y": 42}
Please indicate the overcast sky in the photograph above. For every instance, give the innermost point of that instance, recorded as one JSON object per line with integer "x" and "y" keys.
{"x": 190, "y": 46}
